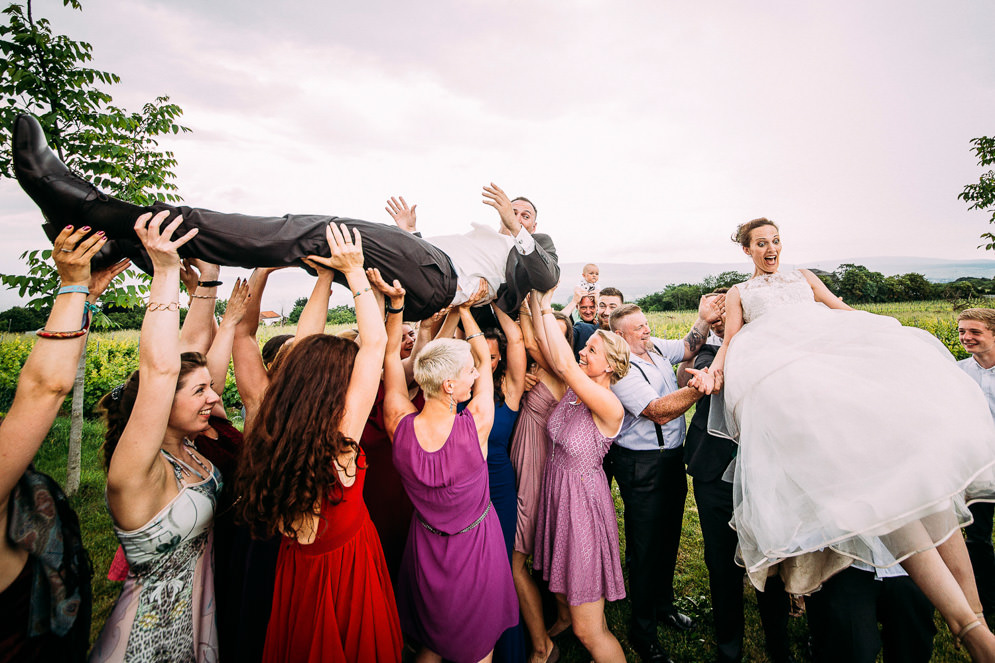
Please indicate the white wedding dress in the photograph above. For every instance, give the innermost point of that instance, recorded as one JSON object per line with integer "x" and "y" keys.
{"x": 859, "y": 438}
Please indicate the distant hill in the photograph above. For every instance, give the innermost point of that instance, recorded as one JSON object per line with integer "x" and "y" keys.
{"x": 636, "y": 281}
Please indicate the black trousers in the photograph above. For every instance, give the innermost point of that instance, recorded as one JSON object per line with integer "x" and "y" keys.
{"x": 843, "y": 618}
{"x": 979, "y": 547}
{"x": 239, "y": 240}
{"x": 654, "y": 489}
{"x": 725, "y": 579}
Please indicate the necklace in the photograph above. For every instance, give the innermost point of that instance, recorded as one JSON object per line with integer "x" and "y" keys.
{"x": 189, "y": 447}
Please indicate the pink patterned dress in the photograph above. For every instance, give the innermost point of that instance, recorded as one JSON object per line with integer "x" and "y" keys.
{"x": 576, "y": 544}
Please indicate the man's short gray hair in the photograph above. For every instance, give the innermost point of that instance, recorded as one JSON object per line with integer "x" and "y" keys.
{"x": 622, "y": 311}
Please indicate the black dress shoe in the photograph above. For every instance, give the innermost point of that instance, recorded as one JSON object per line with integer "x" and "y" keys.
{"x": 679, "y": 621}
{"x": 651, "y": 652}
{"x": 64, "y": 197}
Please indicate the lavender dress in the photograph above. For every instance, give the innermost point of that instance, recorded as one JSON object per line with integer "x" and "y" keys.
{"x": 576, "y": 544}
{"x": 530, "y": 447}
{"x": 455, "y": 594}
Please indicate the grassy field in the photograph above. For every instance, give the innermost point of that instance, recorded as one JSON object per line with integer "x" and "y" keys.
{"x": 691, "y": 581}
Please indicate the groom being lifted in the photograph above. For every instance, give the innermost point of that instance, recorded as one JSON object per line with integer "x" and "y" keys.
{"x": 503, "y": 265}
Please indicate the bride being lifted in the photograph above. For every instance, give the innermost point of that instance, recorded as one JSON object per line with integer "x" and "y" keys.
{"x": 859, "y": 439}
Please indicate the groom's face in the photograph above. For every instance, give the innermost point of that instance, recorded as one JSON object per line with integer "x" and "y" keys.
{"x": 525, "y": 214}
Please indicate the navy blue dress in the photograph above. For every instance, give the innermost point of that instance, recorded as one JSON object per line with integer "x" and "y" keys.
{"x": 510, "y": 647}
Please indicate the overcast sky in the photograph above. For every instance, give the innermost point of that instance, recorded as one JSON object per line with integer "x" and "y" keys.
{"x": 643, "y": 131}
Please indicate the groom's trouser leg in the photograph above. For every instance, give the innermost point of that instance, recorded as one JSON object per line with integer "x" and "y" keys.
{"x": 252, "y": 241}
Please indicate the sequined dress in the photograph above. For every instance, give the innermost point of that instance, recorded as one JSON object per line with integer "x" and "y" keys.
{"x": 859, "y": 438}
{"x": 576, "y": 541}
{"x": 166, "y": 608}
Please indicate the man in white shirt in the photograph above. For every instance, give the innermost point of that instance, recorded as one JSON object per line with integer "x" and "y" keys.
{"x": 647, "y": 460}
{"x": 975, "y": 329}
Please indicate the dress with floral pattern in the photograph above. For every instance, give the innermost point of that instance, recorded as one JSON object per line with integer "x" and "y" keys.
{"x": 166, "y": 609}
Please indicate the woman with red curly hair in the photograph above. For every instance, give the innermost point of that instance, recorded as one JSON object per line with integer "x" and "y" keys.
{"x": 302, "y": 476}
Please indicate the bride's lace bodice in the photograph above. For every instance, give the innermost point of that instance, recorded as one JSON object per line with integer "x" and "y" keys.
{"x": 763, "y": 293}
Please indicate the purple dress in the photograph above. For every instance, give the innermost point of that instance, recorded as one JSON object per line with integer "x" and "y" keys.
{"x": 455, "y": 594}
{"x": 576, "y": 545}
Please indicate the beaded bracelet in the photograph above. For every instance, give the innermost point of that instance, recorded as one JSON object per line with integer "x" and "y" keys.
{"x": 204, "y": 296}
{"x": 88, "y": 308}
{"x": 44, "y": 333}
{"x": 360, "y": 292}
{"x": 163, "y": 306}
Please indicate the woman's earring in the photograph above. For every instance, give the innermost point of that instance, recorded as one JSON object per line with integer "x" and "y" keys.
{"x": 452, "y": 403}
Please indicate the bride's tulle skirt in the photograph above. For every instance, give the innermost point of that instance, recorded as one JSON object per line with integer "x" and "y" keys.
{"x": 859, "y": 439}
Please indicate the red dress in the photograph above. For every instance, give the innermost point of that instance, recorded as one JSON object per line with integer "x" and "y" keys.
{"x": 333, "y": 599}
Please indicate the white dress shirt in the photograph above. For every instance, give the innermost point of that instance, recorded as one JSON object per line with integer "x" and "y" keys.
{"x": 481, "y": 253}
{"x": 985, "y": 377}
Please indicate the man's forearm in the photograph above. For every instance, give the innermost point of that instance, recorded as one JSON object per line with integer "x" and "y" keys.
{"x": 695, "y": 338}
{"x": 673, "y": 405}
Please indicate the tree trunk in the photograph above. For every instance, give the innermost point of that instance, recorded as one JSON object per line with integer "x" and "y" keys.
{"x": 76, "y": 430}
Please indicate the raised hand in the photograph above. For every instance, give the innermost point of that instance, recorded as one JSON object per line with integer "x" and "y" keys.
{"x": 194, "y": 270}
{"x": 711, "y": 308}
{"x": 317, "y": 267}
{"x": 394, "y": 290}
{"x": 347, "y": 255}
{"x": 482, "y": 292}
{"x": 238, "y": 302}
{"x": 403, "y": 215}
{"x": 100, "y": 280}
{"x": 71, "y": 254}
{"x": 160, "y": 245}
{"x": 498, "y": 199}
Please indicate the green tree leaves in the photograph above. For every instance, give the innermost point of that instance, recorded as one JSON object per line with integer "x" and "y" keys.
{"x": 982, "y": 195}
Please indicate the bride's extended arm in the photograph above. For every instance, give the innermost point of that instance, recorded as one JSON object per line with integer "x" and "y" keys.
{"x": 822, "y": 293}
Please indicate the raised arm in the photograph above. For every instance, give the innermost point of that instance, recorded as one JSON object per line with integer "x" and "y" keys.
{"x": 48, "y": 374}
{"x": 251, "y": 377}
{"x": 709, "y": 311}
{"x": 604, "y": 405}
{"x": 709, "y": 380}
{"x": 449, "y": 325}
{"x": 134, "y": 472}
{"x": 574, "y": 301}
{"x": 199, "y": 326}
{"x": 530, "y": 334}
{"x": 482, "y": 402}
{"x": 396, "y": 404}
{"x": 221, "y": 349}
{"x": 314, "y": 317}
{"x": 516, "y": 361}
{"x": 347, "y": 258}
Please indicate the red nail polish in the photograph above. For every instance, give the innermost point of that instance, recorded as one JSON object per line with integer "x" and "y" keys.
{"x": 85, "y": 228}
{"x": 69, "y": 227}
{"x": 100, "y": 233}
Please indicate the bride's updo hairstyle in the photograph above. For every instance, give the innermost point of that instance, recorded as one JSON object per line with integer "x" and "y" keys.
{"x": 743, "y": 230}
